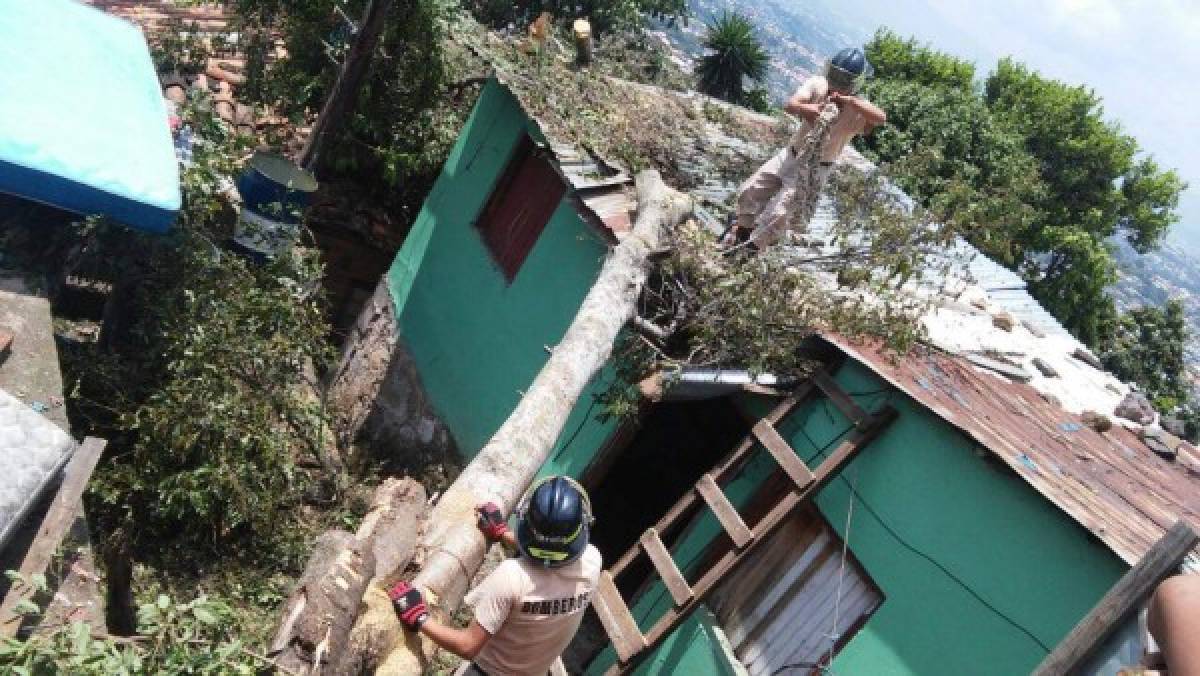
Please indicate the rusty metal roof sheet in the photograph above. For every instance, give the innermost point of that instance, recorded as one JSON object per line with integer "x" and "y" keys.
{"x": 1109, "y": 483}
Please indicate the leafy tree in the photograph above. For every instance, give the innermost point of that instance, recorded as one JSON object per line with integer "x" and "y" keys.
{"x": 736, "y": 55}
{"x": 1147, "y": 348}
{"x": 1032, "y": 164}
{"x": 977, "y": 168}
{"x": 895, "y": 58}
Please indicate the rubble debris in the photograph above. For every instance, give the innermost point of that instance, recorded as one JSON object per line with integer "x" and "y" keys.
{"x": 1136, "y": 407}
{"x": 1033, "y": 328}
{"x": 6, "y": 340}
{"x": 1004, "y": 320}
{"x": 1164, "y": 445}
{"x": 1085, "y": 356}
{"x": 1009, "y": 370}
{"x": 1173, "y": 425}
{"x": 1097, "y": 421}
{"x": 1044, "y": 367}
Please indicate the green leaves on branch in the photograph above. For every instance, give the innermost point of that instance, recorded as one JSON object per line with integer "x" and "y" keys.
{"x": 759, "y": 312}
{"x": 173, "y": 638}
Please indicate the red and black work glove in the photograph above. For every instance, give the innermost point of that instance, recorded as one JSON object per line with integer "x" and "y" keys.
{"x": 491, "y": 521}
{"x": 409, "y": 605}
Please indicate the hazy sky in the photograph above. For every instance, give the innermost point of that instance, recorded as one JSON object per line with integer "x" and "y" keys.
{"x": 1141, "y": 56}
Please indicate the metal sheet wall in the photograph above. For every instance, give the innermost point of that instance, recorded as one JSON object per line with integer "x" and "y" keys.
{"x": 785, "y": 608}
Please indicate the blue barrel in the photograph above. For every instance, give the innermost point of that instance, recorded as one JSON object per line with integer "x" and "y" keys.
{"x": 273, "y": 187}
{"x": 274, "y": 193}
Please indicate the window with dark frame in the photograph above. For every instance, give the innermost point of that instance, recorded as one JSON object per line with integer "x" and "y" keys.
{"x": 520, "y": 206}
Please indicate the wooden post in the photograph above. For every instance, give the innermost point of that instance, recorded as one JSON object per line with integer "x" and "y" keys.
{"x": 1125, "y": 596}
{"x": 345, "y": 90}
{"x": 53, "y": 529}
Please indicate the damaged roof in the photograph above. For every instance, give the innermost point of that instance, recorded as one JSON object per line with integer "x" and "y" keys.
{"x": 1110, "y": 483}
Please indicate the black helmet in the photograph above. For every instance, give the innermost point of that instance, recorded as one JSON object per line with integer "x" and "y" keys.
{"x": 554, "y": 521}
{"x": 848, "y": 68}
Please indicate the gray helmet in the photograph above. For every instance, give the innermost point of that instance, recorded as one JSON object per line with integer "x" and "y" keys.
{"x": 848, "y": 69}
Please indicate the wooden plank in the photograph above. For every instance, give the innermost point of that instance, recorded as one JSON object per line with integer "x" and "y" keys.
{"x": 725, "y": 512}
{"x": 1126, "y": 596}
{"x": 783, "y": 453}
{"x": 769, "y": 524}
{"x": 844, "y": 402}
{"x": 620, "y": 626}
{"x": 665, "y": 565}
{"x": 723, "y": 470}
{"x": 53, "y": 529}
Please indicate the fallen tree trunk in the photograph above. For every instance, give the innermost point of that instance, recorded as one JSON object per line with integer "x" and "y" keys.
{"x": 317, "y": 618}
{"x": 452, "y": 548}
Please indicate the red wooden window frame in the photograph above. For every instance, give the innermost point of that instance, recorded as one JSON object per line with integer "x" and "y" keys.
{"x": 519, "y": 207}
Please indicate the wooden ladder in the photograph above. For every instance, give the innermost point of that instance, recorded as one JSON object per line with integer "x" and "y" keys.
{"x": 627, "y": 639}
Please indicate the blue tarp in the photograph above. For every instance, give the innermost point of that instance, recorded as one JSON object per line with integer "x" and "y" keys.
{"x": 83, "y": 125}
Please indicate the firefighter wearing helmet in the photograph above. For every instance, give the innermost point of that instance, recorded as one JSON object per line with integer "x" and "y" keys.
{"x": 528, "y": 609}
{"x": 760, "y": 218}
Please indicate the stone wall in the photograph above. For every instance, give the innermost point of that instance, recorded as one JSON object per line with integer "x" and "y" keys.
{"x": 382, "y": 414}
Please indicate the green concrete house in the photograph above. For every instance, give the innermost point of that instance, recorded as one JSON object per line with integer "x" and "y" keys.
{"x": 961, "y": 520}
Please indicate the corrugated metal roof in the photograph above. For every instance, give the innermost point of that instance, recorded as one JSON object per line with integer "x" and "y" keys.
{"x": 1109, "y": 483}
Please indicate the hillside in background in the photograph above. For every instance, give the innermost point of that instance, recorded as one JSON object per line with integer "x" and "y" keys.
{"x": 1154, "y": 278}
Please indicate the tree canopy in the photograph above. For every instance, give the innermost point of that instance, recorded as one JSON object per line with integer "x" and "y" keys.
{"x": 1032, "y": 164}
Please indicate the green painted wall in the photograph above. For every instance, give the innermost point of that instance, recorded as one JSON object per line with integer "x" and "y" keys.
{"x": 945, "y": 534}
{"x": 477, "y": 340}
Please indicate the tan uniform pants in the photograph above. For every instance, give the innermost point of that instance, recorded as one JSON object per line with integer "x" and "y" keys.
{"x": 766, "y": 199}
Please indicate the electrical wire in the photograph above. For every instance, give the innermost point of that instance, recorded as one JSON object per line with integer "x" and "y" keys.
{"x": 579, "y": 428}
{"x": 820, "y": 451}
{"x": 904, "y": 543}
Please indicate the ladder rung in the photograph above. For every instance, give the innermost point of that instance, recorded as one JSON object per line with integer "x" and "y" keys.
{"x": 783, "y": 453}
{"x": 840, "y": 399}
{"x": 730, "y": 520}
{"x": 626, "y": 638}
{"x": 665, "y": 565}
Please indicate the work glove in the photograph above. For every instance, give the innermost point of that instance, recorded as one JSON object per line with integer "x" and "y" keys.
{"x": 491, "y": 521}
{"x": 409, "y": 605}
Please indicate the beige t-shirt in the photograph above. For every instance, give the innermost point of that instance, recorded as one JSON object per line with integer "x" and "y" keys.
{"x": 532, "y": 612}
{"x": 848, "y": 123}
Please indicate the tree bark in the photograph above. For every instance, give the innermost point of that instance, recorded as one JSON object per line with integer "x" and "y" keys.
{"x": 453, "y": 548}
{"x": 345, "y": 90}
{"x": 315, "y": 630}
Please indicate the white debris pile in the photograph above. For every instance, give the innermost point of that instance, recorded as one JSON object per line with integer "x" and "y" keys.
{"x": 972, "y": 326}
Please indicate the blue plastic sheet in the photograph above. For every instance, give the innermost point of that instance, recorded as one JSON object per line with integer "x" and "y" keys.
{"x": 83, "y": 125}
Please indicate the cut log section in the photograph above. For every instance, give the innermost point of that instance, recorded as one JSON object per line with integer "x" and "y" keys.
{"x": 314, "y": 636}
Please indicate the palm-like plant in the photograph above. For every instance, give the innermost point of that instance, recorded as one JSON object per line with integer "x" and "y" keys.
{"x": 735, "y": 55}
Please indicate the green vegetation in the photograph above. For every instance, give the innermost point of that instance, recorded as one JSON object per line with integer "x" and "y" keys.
{"x": 737, "y": 55}
{"x": 1147, "y": 348}
{"x": 407, "y": 112}
{"x": 1032, "y": 163}
{"x": 198, "y": 637}
{"x": 605, "y": 15}
{"x": 728, "y": 310}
